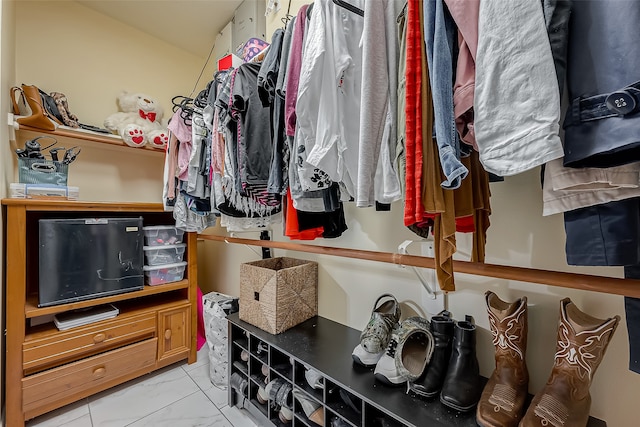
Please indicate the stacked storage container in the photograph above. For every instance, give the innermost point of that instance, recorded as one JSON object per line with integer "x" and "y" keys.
{"x": 163, "y": 254}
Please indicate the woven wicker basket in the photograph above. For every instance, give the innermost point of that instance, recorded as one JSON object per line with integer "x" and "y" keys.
{"x": 278, "y": 293}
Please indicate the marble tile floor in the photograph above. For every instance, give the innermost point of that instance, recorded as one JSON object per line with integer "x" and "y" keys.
{"x": 179, "y": 395}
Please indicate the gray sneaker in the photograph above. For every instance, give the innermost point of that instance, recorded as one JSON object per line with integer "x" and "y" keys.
{"x": 314, "y": 378}
{"x": 376, "y": 335}
{"x": 408, "y": 352}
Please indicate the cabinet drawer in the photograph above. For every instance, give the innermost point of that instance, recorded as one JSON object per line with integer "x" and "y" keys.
{"x": 87, "y": 376}
{"x": 63, "y": 347}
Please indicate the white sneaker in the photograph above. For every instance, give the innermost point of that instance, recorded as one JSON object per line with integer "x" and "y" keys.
{"x": 408, "y": 353}
{"x": 364, "y": 358}
{"x": 386, "y": 371}
{"x": 376, "y": 334}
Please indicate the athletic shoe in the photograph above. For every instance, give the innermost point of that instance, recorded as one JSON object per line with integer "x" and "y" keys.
{"x": 408, "y": 353}
{"x": 376, "y": 335}
{"x": 314, "y": 379}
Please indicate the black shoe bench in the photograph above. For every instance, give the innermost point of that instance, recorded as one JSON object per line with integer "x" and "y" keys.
{"x": 326, "y": 346}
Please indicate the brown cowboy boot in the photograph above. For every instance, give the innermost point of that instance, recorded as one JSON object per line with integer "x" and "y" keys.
{"x": 502, "y": 401}
{"x": 582, "y": 341}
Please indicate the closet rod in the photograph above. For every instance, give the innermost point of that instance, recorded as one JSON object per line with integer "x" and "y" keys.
{"x": 609, "y": 285}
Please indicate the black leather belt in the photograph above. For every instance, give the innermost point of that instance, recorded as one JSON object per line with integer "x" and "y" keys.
{"x": 620, "y": 103}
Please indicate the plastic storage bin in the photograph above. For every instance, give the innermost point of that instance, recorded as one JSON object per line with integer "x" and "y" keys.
{"x": 160, "y": 235}
{"x": 167, "y": 273}
{"x": 169, "y": 254}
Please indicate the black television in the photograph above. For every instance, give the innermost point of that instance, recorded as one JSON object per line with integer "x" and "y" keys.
{"x": 87, "y": 258}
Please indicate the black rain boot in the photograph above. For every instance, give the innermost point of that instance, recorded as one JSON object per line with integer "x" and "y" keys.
{"x": 462, "y": 385}
{"x": 431, "y": 383}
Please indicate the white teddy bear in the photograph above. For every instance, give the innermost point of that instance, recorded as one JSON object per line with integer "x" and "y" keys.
{"x": 139, "y": 121}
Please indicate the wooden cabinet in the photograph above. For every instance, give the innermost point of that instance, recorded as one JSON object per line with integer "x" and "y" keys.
{"x": 173, "y": 334}
{"x": 47, "y": 368}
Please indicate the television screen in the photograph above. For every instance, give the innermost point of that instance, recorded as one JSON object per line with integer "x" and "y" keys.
{"x": 81, "y": 259}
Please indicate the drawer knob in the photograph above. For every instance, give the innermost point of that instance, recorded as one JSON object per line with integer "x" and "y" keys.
{"x": 167, "y": 334}
{"x": 99, "y": 338}
{"x": 99, "y": 372}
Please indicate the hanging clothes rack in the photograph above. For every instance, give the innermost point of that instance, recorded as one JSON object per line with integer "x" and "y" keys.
{"x": 586, "y": 282}
{"x": 349, "y": 7}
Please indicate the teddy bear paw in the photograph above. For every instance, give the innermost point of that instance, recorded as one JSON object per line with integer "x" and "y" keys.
{"x": 133, "y": 136}
{"x": 159, "y": 140}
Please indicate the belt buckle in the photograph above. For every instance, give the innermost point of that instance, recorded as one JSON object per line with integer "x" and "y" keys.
{"x": 621, "y": 102}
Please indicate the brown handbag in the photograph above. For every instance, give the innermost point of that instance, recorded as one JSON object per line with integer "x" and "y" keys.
{"x": 40, "y": 117}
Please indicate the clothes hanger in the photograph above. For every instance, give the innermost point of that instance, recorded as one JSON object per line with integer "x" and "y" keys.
{"x": 285, "y": 20}
{"x": 287, "y": 17}
{"x": 200, "y": 100}
{"x": 186, "y": 109}
{"x": 177, "y": 102}
{"x": 349, "y": 7}
{"x": 403, "y": 13}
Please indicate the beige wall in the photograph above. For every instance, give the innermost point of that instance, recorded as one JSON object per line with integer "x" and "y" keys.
{"x": 519, "y": 235}
{"x": 91, "y": 58}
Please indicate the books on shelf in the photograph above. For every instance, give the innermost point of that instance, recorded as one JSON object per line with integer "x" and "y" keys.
{"x": 84, "y": 316}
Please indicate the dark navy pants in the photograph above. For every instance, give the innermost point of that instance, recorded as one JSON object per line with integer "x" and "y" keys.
{"x": 609, "y": 235}
{"x": 604, "y": 235}
{"x": 632, "y": 309}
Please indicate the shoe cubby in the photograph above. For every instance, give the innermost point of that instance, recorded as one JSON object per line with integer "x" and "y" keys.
{"x": 253, "y": 399}
{"x": 302, "y": 382}
{"x": 238, "y": 386}
{"x": 350, "y": 397}
{"x": 240, "y": 337}
{"x": 259, "y": 349}
{"x": 344, "y": 403}
{"x": 275, "y": 418}
{"x": 376, "y": 418}
{"x": 300, "y": 420}
{"x": 257, "y": 370}
{"x": 239, "y": 355}
{"x": 281, "y": 363}
{"x": 303, "y": 412}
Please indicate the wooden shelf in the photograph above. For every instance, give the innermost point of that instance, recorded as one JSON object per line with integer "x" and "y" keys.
{"x": 31, "y": 308}
{"x": 71, "y": 205}
{"x": 85, "y": 135}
